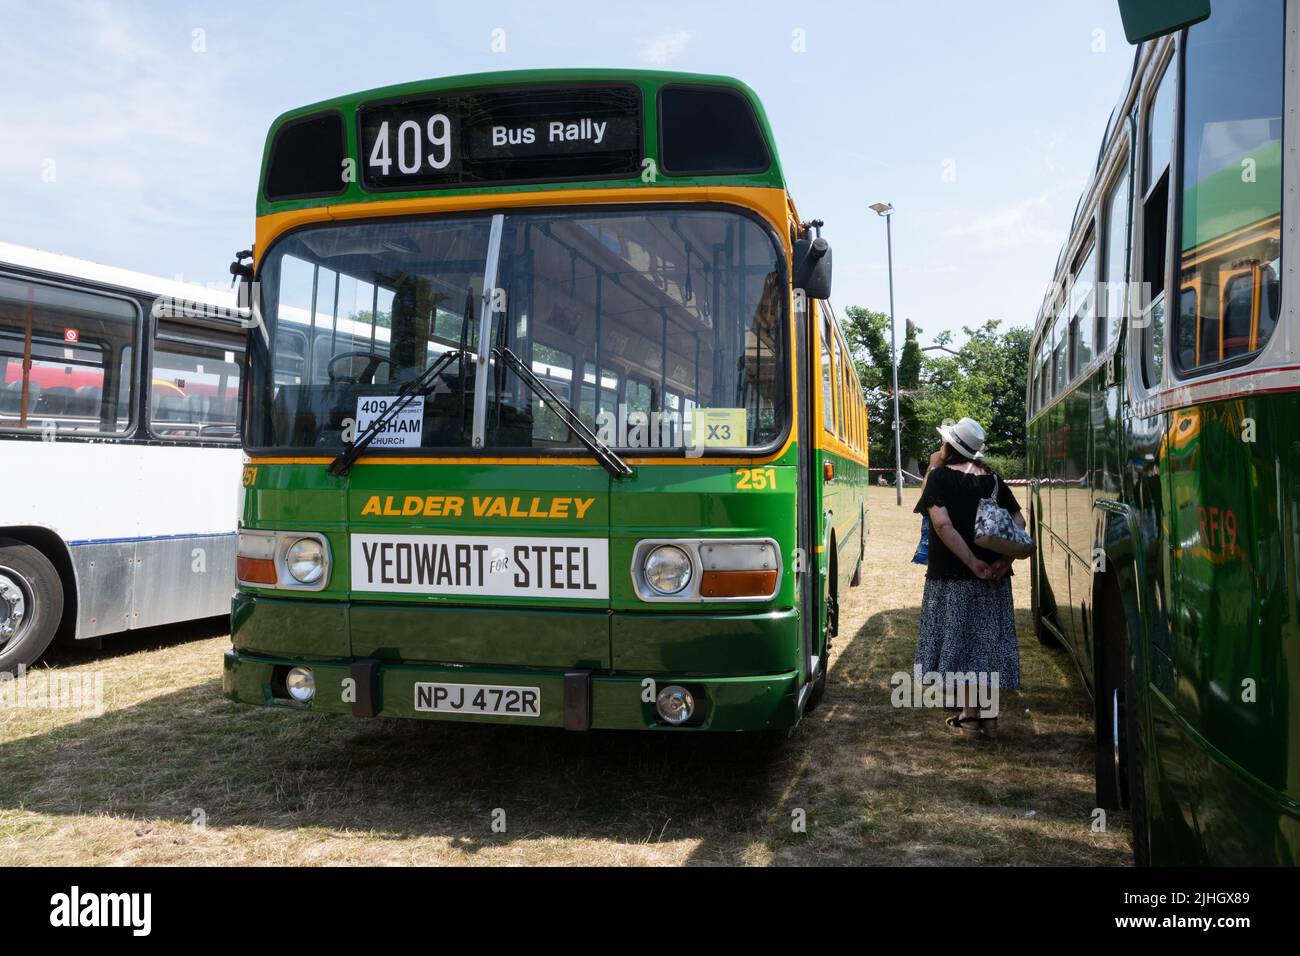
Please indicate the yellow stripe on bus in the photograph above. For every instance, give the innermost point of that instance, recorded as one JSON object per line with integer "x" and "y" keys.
{"x": 770, "y": 203}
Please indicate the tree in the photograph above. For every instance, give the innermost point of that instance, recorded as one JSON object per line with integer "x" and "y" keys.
{"x": 867, "y": 334}
{"x": 910, "y": 362}
{"x": 984, "y": 379}
{"x": 998, "y": 363}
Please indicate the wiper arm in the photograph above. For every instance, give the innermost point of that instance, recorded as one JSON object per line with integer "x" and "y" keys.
{"x": 420, "y": 385}
{"x": 613, "y": 464}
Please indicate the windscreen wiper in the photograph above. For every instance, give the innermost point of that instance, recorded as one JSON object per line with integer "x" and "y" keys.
{"x": 616, "y": 466}
{"x": 420, "y": 385}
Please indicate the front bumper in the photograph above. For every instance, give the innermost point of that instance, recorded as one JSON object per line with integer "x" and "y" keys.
{"x": 576, "y": 699}
{"x": 590, "y": 666}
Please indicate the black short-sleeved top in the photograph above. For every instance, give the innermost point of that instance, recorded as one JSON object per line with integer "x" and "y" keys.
{"x": 960, "y": 493}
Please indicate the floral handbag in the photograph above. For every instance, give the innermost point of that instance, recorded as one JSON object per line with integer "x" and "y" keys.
{"x": 996, "y": 531}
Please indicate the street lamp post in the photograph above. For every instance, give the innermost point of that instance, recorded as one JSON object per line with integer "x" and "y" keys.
{"x": 887, "y": 210}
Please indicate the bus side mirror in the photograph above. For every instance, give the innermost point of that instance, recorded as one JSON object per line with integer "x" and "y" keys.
{"x": 812, "y": 267}
{"x": 1148, "y": 19}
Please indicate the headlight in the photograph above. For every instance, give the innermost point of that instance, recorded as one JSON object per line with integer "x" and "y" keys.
{"x": 667, "y": 569}
{"x": 300, "y": 682}
{"x": 305, "y": 560}
{"x": 675, "y": 704}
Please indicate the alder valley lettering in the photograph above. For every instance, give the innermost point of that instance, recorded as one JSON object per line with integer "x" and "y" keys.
{"x": 500, "y": 566}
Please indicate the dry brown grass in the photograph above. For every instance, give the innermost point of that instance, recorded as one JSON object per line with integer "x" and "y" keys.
{"x": 878, "y": 785}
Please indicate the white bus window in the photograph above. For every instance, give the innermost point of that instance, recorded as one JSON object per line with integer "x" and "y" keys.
{"x": 194, "y": 386}
{"x": 65, "y": 359}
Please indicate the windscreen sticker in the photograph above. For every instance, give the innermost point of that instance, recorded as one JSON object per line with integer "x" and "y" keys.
{"x": 402, "y": 430}
{"x": 719, "y": 427}
{"x": 490, "y": 565}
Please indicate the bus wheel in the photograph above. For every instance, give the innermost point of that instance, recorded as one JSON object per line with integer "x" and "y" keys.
{"x": 31, "y": 604}
{"x": 1137, "y": 794}
{"x": 1111, "y": 700}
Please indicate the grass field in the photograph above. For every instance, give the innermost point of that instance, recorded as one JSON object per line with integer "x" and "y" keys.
{"x": 171, "y": 773}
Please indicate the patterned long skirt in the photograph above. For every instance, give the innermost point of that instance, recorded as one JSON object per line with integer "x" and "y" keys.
{"x": 968, "y": 626}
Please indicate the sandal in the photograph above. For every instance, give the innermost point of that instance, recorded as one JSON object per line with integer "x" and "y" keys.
{"x": 957, "y": 724}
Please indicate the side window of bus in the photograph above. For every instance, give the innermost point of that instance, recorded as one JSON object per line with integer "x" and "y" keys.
{"x": 846, "y": 399}
{"x": 1159, "y": 140}
{"x": 589, "y": 410}
{"x": 1040, "y": 379}
{"x": 347, "y": 320}
{"x": 1083, "y": 308}
{"x": 828, "y": 377}
{"x": 67, "y": 359}
{"x": 1231, "y": 186}
{"x": 1115, "y": 299}
{"x": 1035, "y": 373}
{"x": 194, "y": 384}
{"x": 850, "y": 400}
{"x": 1060, "y": 353}
{"x": 555, "y": 367}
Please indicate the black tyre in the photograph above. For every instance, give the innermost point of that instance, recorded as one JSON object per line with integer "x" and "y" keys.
{"x": 1137, "y": 794}
{"x": 1110, "y": 701}
{"x": 31, "y": 604}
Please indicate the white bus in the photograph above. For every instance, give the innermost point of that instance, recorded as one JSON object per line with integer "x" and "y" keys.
{"x": 119, "y": 452}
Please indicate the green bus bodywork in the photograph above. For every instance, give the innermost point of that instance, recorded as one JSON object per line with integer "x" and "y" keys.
{"x": 649, "y": 82}
{"x": 1169, "y": 545}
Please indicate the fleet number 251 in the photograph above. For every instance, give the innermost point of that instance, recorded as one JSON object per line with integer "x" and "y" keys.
{"x": 755, "y": 479}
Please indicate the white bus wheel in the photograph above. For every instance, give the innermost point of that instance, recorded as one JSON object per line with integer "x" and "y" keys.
{"x": 31, "y": 604}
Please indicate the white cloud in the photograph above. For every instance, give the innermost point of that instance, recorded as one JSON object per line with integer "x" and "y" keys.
{"x": 666, "y": 47}
{"x": 111, "y": 34}
{"x": 1032, "y": 220}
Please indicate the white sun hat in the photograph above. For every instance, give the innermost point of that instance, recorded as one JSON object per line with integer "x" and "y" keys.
{"x": 966, "y": 436}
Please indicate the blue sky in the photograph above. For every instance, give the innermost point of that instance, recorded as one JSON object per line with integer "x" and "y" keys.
{"x": 129, "y": 138}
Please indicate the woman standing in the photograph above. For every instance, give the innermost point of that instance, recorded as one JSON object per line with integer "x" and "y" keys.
{"x": 967, "y": 618}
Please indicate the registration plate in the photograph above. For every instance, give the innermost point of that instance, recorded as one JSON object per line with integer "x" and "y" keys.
{"x": 495, "y": 699}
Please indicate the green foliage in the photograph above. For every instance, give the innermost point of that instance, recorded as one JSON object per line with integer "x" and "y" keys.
{"x": 984, "y": 379}
{"x": 1008, "y": 466}
{"x": 867, "y": 333}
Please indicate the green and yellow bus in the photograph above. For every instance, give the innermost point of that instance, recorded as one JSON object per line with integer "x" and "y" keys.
{"x": 548, "y": 419}
{"x": 1164, "y": 450}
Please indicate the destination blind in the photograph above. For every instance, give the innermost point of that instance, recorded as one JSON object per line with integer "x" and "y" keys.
{"x": 502, "y": 136}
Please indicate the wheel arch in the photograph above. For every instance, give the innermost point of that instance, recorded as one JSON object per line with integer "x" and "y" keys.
{"x": 1116, "y": 541}
{"x": 56, "y": 551}
{"x": 1121, "y": 581}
